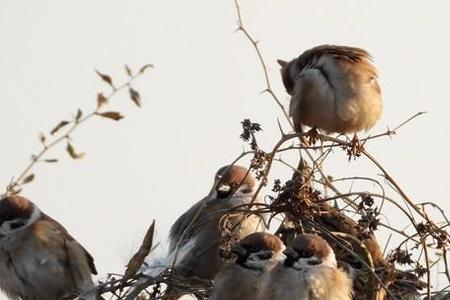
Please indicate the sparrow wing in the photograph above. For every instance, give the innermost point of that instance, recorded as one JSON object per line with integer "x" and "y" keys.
{"x": 177, "y": 229}
{"x": 337, "y": 221}
{"x": 67, "y": 237}
{"x": 55, "y": 239}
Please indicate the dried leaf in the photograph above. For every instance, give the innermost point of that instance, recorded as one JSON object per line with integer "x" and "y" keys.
{"x": 145, "y": 67}
{"x": 138, "y": 258}
{"x": 113, "y": 115}
{"x": 134, "y": 95}
{"x": 79, "y": 115}
{"x": 51, "y": 160}
{"x": 42, "y": 138}
{"x": 28, "y": 179}
{"x": 59, "y": 126}
{"x": 72, "y": 152}
{"x": 105, "y": 78}
{"x": 128, "y": 70}
{"x": 101, "y": 100}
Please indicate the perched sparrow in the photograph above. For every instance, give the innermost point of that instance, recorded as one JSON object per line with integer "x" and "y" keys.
{"x": 309, "y": 273}
{"x": 234, "y": 186}
{"x": 246, "y": 278}
{"x": 333, "y": 88}
{"x": 39, "y": 260}
{"x": 335, "y": 220}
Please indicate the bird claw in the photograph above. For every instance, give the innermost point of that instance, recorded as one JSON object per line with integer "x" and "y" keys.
{"x": 354, "y": 148}
{"x": 313, "y": 136}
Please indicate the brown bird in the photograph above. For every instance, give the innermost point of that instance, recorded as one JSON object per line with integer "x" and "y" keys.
{"x": 333, "y": 88}
{"x": 246, "y": 278}
{"x": 309, "y": 273}
{"x": 200, "y": 225}
{"x": 39, "y": 259}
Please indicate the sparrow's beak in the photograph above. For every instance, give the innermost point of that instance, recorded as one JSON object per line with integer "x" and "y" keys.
{"x": 282, "y": 63}
{"x": 239, "y": 251}
{"x": 291, "y": 257}
{"x": 291, "y": 253}
{"x": 242, "y": 254}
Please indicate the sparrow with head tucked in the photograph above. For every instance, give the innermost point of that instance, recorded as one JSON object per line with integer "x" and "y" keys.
{"x": 234, "y": 186}
{"x": 309, "y": 272}
{"x": 39, "y": 259}
{"x": 246, "y": 278}
{"x": 333, "y": 88}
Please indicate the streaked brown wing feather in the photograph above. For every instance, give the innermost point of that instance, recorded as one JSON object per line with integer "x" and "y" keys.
{"x": 341, "y": 52}
{"x": 67, "y": 237}
{"x": 181, "y": 224}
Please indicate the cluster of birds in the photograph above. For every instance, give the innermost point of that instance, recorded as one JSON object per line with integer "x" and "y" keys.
{"x": 333, "y": 88}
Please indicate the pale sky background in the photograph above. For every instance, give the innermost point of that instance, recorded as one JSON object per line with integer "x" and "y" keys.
{"x": 160, "y": 159}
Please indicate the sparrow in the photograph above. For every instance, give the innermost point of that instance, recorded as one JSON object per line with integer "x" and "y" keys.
{"x": 246, "y": 278}
{"x": 234, "y": 186}
{"x": 309, "y": 272}
{"x": 39, "y": 259}
{"x": 333, "y": 88}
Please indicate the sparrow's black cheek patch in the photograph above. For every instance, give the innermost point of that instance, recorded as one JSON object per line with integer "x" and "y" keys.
{"x": 265, "y": 255}
{"x": 222, "y": 194}
{"x": 17, "y": 224}
{"x": 241, "y": 260}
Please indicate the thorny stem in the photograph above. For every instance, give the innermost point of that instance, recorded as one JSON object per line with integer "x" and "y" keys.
{"x": 427, "y": 263}
{"x": 444, "y": 256}
{"x": 262, "y": 62}
{"x": 396, "y": 185}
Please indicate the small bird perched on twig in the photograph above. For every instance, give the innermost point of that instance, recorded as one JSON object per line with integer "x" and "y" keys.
{"x": 333, "y": 88}
{"x": 234, "y": 186}
{"x": 309, "y": 273}
{"x": 246, "y": 278}
{"x": 39, "y": 259}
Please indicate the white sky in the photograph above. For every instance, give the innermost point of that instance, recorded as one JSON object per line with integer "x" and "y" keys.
{"x": 160, "y": 159}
